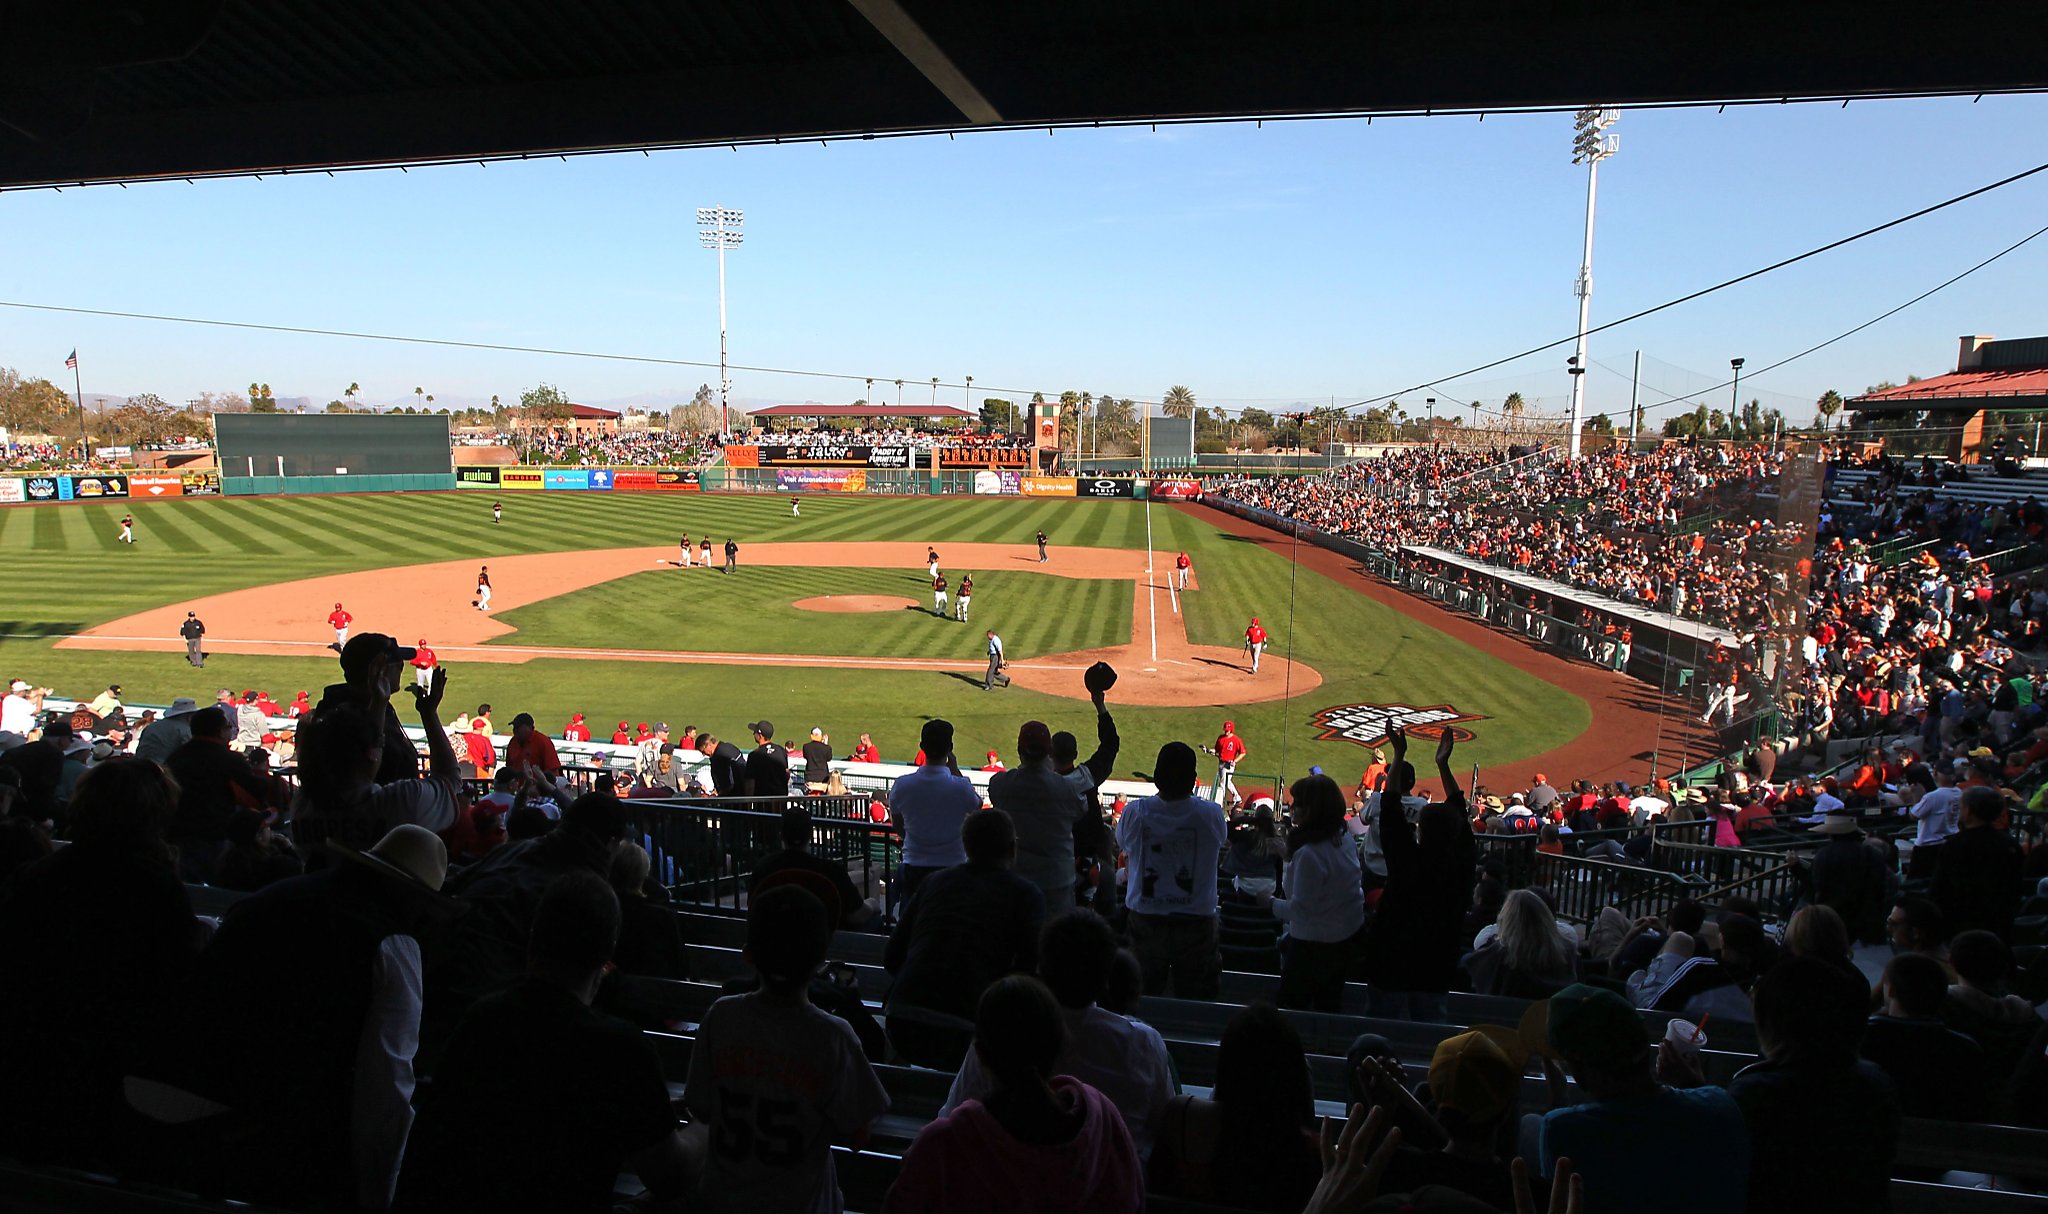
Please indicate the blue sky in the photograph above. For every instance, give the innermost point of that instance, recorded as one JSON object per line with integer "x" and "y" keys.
{"x": 1294, "y": 262}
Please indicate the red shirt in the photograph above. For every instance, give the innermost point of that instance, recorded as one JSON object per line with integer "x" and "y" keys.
{"x": 338, "y": 619}
{"x": 1182, "y": 561}
{"x": 1255, "y": 634}
{"x": 302, "y": 705}
{"x": 622, "y": 738}
{"x": 576, "y": 731}
{"x": 1229, "y": 747}
{"x": 538, "y": 750}
{"x": 480, "y": 751}
{"x": 424, "y": 659}
{"x": 866, "y": 752}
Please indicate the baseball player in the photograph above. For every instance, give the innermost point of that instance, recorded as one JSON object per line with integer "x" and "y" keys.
{"x": 1255, "y": 642}
{"x": 732, "y": 556}
{"x": 1181, "y": 565}
{"x": 482, "y": 601}
{"x": 497, "y": 512}
{"x": 339, "y": 620}
{"x": 795, "y": 507}
{"x": 192, "y": 630}
{"x": 931, "y": 561}
{"x": 1228, "y": 750}
{"x": 939, "y": 596}
{"x": 127, "y": 528}
{"x": 960, "y": 599}
{"x": 705, "y": 551}
{"x": 1041, "y": 546}
{"x": 996, "y": 663}
{"x": 423, "y": 664}
{"x": 685, "y": 562}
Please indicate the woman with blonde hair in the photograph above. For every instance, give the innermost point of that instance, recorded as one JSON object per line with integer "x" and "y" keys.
{"x": 1528, "y": 956}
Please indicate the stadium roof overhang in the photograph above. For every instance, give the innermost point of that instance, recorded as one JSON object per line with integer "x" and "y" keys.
{"x": 2001, "y": 391}
{"x": 870, "y": 412}
{"x": 114, "y": 90}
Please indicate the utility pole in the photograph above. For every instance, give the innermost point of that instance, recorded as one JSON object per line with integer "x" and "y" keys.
{"x": 1635, "y": 416}
{"x": 1590, "y": 146}
{"x": 719, "y": 228}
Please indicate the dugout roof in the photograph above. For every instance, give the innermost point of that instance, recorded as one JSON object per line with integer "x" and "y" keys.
{"x": 108, "y": 90}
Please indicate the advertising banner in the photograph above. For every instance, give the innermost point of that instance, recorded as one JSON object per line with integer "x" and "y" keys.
{"x": 600, "y": 480}
{"x": 91, "y": 486}
{"x": 1019, "y": 458}
{"x": 826, "y": 480}
{"x": 1105, "y": 486}
{"x": 828, "y": 454}
{"x": 11, "y": 490}
{"x": 1048, "y": 486}
{"x": 472, "y": 477}
{"x": 114, "y": 452}
{"x": 40, "y": 488}
{"x": 156, "y": 484}
{"x": 742, "y": 457}
{"x": 1186, "y": 490}
{"x": 683, "y": 480}
{"x": 633, "y": 478}
{"x": 988, "y": 482}
{"x": 566, "y": 478}
{"x": 200, "y": 484}
{"x": 519, "y": 478}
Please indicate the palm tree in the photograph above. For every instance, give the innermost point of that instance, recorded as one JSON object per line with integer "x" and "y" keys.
{"x": 353, "y": 388}
{"x": 430, "y": 400}
{"x": 1179, "y": 402}
{"x": 1829, "y": 404}
{"x": 1514, "y": 405}
{"x": 418, "y": 393}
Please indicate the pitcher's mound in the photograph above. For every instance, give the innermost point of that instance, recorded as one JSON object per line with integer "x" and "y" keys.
{"x": 849, "y": 603}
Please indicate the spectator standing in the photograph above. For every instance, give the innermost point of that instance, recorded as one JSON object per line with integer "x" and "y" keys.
{"x": 372, "y": 665}
{"x": 1039, "y": 1139}
{"x": 343, "y": 757}
{"x": 1173, "y": 840}
{"x": 1849, "y": 877}
{"x": 1636, "y": 1141}
{"x": 1324, "y": 909}
{"x": 1094, "y": 841}
{"x": 767, "y": 772}
{"x": 1976, "y": 884}
{"x": 962, "y": 928}
{"x": 930, "y": 806}
{"x": 531, "y": 751}
{"x": 817, "y": 755}
{"x": 1412, "y": 951}
{"x": 586, "y": 1096}
{"x": 251, "y": 723}
{"x": 337, "y": 956}
{"x": 1936, "y": 815}
{"x": 1044, "y": 807}
{"x": 214, "y": 784}
{"x": 775, "y": 1081}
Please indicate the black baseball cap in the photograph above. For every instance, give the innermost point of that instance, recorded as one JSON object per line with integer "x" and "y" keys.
{"x": 363, "y": 647}
{"x": 765, "y": 728}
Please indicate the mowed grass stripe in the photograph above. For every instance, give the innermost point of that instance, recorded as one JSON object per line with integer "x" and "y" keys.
{"x": 49, "y": 529}
{"x": 233, "y": 523}
{"x": 293, "y": 521}
{"x": 162, "y": 529}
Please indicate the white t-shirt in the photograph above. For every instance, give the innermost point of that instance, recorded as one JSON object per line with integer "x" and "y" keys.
{"x": 1172, "y": 848}
{"x": 1124, "y": 1059}
{"x": 933, "y": 803}
{"x": 777, "y": 1086}
{"x": 17, "y": 714}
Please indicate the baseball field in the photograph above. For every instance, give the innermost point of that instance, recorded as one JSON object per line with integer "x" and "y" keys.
{"x": 827, "y": 621}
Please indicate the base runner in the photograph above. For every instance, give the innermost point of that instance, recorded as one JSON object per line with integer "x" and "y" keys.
{"x": 339, "y": 620}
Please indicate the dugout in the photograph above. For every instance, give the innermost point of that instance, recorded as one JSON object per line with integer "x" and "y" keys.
{"x": 273, "y": 453}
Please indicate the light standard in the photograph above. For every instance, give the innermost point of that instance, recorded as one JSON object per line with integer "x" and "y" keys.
{"x": 935, "y": 392}
{"x": 719, "y": 228}
{"x": 1590, "y": 146}
{"x": 899, "y": 394}
{"x": 1431, "y": 402}
{"x": 1734, "y": 393}
{"x": 968, "y": 398}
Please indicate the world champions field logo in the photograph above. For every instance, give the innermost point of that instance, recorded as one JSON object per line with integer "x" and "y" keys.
{"x": 1369, "y": 724}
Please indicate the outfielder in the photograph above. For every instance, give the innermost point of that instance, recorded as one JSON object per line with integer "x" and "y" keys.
{"x": 795, "y": 507}
{"x": 1181, "y": 566}
{"x": 497, "y": 512}
{"x": 1228, "y": 750}
{"x": 127, "y": 528}
{"x": 1255, "y": 642}
{"x": 960, "y": 599}
{"x": 996, "y": 663}
{"x": 939, "y": 596}
{"x": 1041, "y": 546}
{"x": 482, "y": 602}
{"x": 931, "y": 561}
{"x": 339, "y": 620}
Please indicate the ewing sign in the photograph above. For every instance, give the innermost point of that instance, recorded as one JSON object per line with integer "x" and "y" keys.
{"x": 1368, "y": 724}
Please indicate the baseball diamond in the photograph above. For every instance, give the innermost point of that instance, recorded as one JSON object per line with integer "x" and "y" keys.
{"x": 592, "y": 613}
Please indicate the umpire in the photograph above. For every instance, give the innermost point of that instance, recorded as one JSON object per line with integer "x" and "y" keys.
{"x": 193, "y": 631}
{"x": 996, "y": 663}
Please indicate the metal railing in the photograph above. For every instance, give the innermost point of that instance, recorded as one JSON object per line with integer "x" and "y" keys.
{"x": 706, "y": 850}
{"x": 1581, "y": 888}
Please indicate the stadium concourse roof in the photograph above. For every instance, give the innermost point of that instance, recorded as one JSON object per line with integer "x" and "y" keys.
{"x": 1997, "y": 375}
{"x": 114, "y": 90}
{"x": 874, "y": 412}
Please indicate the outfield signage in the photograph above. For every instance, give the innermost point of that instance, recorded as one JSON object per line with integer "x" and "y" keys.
{"x": 1370, "y": 725}
{"x": 830, "y": 480}
{"x": 985, "y": 457}
{"x": 156, "y": 484}
{"x": 1048, "y": 486}
{"x": 1105, "y": 486}
{"x": 1186, "y": 489}
{"x": 199, "y": 484}
{"x": 991, "y": 482}
{"x": 40, "y": 488}
{"x": 519, "y": 478}
{"x": 11, "y": 490}
{"x": 567, "y": 478}
{"x": 89, "y": 487}
{"x": 113, "y": 452}
{"x": 684, "y": 480}
{"x": 476, "y": 478}
{"x": 823, "y": 454}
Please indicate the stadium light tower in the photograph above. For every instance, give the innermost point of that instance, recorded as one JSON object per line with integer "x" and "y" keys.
{"x": 1590, "y": 145}
{"x": 719, "y": 228}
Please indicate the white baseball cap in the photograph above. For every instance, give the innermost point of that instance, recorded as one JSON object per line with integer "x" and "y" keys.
{"x": 17, "y": 685}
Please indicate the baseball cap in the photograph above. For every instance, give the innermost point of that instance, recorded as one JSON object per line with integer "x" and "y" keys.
{"x": 1472, "y": 1076}
{"x": 817, "y": 732}
{"x": 1230, "y": 725}
{"x": 18, "y": 685}
{"x": 764, "y": 727}
{"x": 661, "y": 727}
{"x": 1585, "y": 1024}
{"x": 642, "y": 727}
{"x": 364, "y": 646}
{"x": 1034, "y": 739}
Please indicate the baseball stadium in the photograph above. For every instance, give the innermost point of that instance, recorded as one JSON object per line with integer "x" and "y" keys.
{"x": 715, "y": 806}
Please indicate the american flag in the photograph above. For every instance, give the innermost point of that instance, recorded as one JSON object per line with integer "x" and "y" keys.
{"x": 71, "y": 364}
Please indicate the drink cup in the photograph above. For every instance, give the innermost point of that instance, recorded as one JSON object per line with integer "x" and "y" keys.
{"x": 1686, "y": 1038}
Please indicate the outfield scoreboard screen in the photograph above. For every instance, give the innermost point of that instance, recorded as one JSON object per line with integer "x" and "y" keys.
{"x": 332, "y": 444}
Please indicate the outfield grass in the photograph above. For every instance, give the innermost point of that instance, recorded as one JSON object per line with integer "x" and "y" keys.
{"x": 67, "y": 571}
{"x": 706, "y": 612}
